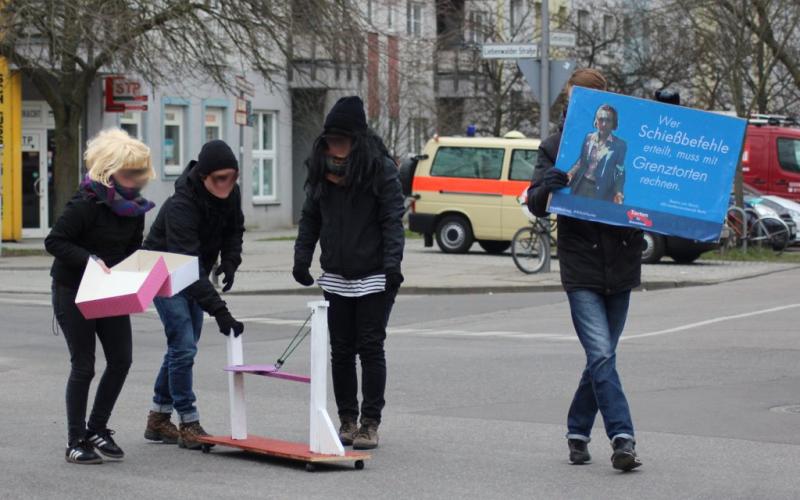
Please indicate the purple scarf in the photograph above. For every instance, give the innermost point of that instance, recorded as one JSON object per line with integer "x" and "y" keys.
{"x": 125, "y": 202}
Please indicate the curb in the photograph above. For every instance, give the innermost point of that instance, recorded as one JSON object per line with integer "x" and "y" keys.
{"x": 479, "y": 290}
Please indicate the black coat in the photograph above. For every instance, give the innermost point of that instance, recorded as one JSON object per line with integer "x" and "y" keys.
{"x": 591, "y": 255}
{"x": 88, "y": 227}
{"x": 360, "y": 233}
{"x": 193, "y": 222}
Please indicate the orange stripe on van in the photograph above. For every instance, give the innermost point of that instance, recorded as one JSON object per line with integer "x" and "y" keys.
{"x": 466, "y": 186}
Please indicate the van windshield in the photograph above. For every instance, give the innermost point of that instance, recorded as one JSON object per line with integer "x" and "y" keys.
{"x": 469, "y": 163}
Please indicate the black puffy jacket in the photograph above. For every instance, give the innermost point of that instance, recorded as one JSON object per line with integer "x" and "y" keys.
{"x": 193, "y": 222}
{"x": 360, "y": 232}
{"x": 591, "y": 255}
{"x": 88, "y": 227}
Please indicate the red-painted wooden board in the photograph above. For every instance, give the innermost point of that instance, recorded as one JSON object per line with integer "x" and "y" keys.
{"x": 281, "y": 449}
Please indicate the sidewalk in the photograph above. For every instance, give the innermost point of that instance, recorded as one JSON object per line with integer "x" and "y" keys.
{"x": 267, "y": 263}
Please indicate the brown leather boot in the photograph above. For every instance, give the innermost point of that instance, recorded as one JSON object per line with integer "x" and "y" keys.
{"x": 189, "y": 432}
{"x": 348, "y": 429}
{"x": 159, "y": 428}
{"x": 367, "y": 436}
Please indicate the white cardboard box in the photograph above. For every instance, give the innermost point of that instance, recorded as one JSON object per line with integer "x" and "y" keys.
{"x": 183, "y": 269}
{"x": 123, "y": 291}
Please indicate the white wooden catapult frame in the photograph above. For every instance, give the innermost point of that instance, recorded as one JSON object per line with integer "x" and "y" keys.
{"x": 323, "y": 441}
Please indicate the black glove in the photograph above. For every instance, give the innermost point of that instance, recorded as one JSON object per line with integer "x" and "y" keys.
{"x": 229, "y": 270}
{"x": 554, "y": 179}
{"x": 393, "y": 279}
{"x": 227, "y": 323}
{"x": 302, "y": 276}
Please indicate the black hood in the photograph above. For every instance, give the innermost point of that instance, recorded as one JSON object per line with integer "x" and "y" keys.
{"x": 190, "y": 184}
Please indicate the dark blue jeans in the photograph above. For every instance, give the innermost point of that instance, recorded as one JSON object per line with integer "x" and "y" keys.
{"x": 183, "y": 320}
{"x": 599, "y": 320}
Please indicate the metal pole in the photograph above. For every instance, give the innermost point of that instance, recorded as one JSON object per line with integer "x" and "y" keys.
{"x": 544, "y": 53}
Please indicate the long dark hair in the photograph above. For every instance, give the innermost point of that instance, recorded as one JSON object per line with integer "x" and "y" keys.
{"x": 364, "y": 164}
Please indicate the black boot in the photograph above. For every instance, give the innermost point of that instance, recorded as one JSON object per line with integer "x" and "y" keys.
{"x": 624, "y": 457}
{"x": 578, "y": 451}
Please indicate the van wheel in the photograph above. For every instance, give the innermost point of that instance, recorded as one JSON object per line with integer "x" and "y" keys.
{"x": 494, "y": 247}
{"x": 454, "y": 234}
{"x": 654, "y": 247}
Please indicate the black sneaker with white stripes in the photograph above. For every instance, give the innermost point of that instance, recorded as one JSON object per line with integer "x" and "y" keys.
{"x": 82, "y": 452}
{"x": 104, "y": 443}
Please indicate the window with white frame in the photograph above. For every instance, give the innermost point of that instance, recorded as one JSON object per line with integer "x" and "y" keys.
{"x": 390, "y": 15}
{"x": 414, "y": 14}
{"x": 131, "y": 122}
{"x": 265, "y": 147}
{"x": 213, "y": 122}
{"x": 517, "y": 16}
{"x": 477, "y": 27}
{"x": 609, "y": 26}
{"x": 583, "y": 25}
{"x": 174, "y": 147}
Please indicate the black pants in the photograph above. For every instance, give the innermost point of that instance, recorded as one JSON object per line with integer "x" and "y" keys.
{"x": 358, "y": 326}
{"x": 115, "y": 337}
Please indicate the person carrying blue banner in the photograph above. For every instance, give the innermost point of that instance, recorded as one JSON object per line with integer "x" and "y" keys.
{"x": 600, "y": 265}
{"x": 600, "y": 170}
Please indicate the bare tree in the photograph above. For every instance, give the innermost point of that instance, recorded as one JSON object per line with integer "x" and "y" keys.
{"x": 63, "y": 46}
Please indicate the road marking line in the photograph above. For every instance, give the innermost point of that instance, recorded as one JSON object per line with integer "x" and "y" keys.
{"x": 710, "y": 322}
{"x": 26, "y": 302}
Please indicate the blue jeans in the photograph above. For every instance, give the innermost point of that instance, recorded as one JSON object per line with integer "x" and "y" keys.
{"x": 183, "y": 320}
{"x": 599, "y": 320}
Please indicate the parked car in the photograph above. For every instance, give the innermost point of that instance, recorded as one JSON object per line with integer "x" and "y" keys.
{"x": 465, "y": 189}
{"x": 792, "y": 208}
{"x": 771, "y": 156}
{"x": 681, "y": 250}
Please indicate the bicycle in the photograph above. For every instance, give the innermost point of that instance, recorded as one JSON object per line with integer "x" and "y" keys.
{"x": 753, "y": 229}
{"x": 530, "y": 246}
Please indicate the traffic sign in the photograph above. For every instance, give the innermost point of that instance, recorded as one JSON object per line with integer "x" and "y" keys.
{"x": 563, "y": 39}
{"x": 560, "y": 71}
{"x": 509, "y": 51}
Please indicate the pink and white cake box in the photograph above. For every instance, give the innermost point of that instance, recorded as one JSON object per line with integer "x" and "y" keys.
{"x": 183, "y": 269}
{"x": 123, "y": 291}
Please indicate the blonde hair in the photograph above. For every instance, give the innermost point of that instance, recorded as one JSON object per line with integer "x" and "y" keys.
{"x": 113, "y": 150}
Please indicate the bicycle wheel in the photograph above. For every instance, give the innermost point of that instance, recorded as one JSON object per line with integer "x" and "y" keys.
{"x": 530, "y": 250}
{"x": 771, "y": 231}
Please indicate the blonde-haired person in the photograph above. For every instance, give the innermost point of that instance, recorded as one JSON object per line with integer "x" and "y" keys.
{"x": 103, "y": 221}
{"x": 600, "y": 265}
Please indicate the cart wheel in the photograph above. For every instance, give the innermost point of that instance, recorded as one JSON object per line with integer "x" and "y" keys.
{"x": 359, "y": 464}
{"x": 310, "y": 467}
{"x": 206, "y": 448}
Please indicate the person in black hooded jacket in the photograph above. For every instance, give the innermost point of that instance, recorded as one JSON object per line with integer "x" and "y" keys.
{"x": 203, "y": 218}
{"x": 104, "y": 221}
{"x": 600, "y": 265}
{"x": 354, "y": 208}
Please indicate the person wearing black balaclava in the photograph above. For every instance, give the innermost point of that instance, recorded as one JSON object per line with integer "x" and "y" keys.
{"x": 203, "y": 218}
{"x": 354, "y": 208}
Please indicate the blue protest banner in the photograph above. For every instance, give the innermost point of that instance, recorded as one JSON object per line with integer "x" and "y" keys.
{"x": 635, "y": 162}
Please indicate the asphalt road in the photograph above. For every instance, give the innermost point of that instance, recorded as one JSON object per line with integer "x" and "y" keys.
{"x": 478, "y": 390}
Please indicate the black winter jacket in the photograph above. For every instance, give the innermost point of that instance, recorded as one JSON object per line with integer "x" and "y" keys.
{"x": 88, "y": 227}
{"x": 193, "y": 222}
{"x": 360, "y": 233}
{"x": 600, "y": 257}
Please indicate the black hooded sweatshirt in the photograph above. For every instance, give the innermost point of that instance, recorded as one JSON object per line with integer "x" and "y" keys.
{"x": 194, "y": 222}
